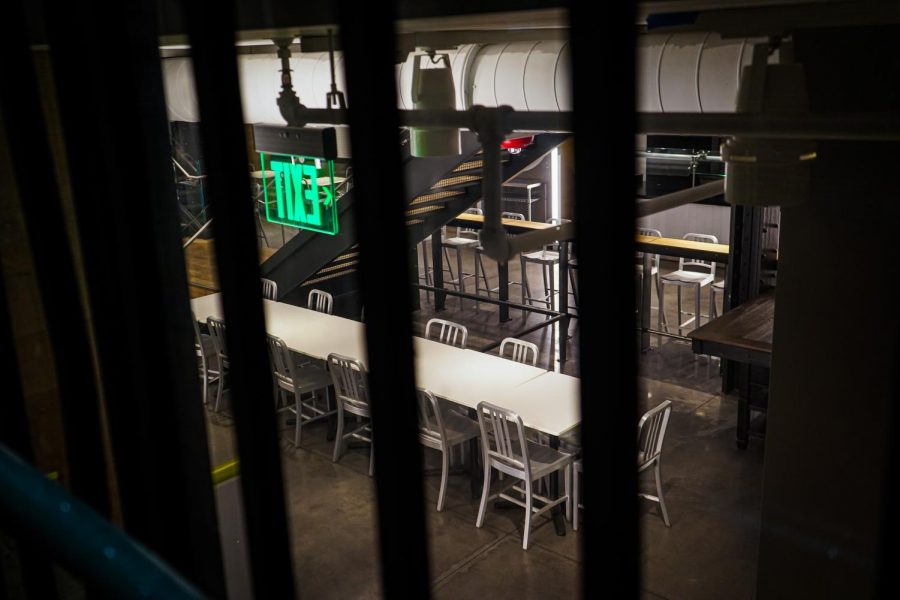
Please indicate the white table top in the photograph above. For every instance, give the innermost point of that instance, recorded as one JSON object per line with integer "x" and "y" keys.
{"x": 306, "y": 331}
{"x": 467, "y": 377}
{"x": 548, "y": 402}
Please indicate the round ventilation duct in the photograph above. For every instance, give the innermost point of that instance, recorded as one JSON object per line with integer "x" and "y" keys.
{"x": 684, "y": 72}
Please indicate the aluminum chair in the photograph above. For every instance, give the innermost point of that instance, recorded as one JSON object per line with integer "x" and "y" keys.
{"x": 442, "y": 430}
{"x": 512, "y": 454}
{"x": 217, "y": 333}
{"x": 465, "y": 238}
{"x": 520, "y": 350}
{"x": 269, "y": 289}
{"x": 352, "y": 396}
{"x": 450, "y": 333}
{"x": 205, "y": 351}
{"x": 320, "y": 301}
{"x": 691, "y": 273}
{"x": 290, "y": 378}
{"x": 651, "y": 435}
{"x": 654, "y": 271}
{"x": 548, "y": 258}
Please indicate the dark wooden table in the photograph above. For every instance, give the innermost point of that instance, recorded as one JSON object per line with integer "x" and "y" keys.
{"x": 744, "y": 335}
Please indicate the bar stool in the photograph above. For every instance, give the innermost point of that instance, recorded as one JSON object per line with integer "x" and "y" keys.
{"x": 654, "y": 271}
{"x": 465, "y": 238}
{"x": 716, "y": 288}
{"x": 691, "y": 273}
{"x": 547, "y": 259}
{"x": 480, "y": 273}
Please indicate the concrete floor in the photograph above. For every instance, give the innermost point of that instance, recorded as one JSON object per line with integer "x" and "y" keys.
{"x": 713, "y": 493}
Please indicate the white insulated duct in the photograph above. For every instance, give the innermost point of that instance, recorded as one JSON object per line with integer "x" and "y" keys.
{"x": 684, "y": 72}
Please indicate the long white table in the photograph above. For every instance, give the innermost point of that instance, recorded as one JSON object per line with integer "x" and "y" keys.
{"x": 547, "y": 402}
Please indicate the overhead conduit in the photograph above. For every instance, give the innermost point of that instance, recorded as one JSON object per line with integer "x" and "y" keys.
{"x": 684, "y": 72}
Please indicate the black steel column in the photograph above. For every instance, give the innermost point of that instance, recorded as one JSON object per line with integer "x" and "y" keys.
{"x": 211, "y": 31}
{"x": 367, "y": 37}
{"x": 437, "y": 268}
{"x": 503, "y": 276}
{"x": 611, "y": 542}
{"x": 42, "y": 211}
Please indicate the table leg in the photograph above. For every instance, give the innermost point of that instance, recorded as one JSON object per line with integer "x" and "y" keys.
{"x": 559, "y": 521}
{"x": 437, "y": 269}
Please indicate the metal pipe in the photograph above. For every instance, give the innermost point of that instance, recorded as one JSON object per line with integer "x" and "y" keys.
{"x": 861, "y": 127}
{"x": 525, "y": 331}
{"x": 652, "y": 206}
{"x": 194, "y": 237}
{"x": 185, "y": 173}
{"x": 467, "y": 296}
{"x": 538, "y": 121}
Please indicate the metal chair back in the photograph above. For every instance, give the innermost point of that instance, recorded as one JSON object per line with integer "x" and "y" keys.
{"x": 513, "y": 216}
{"x": 431, "y": 423}
{"x": 320, "y": 301}
{"x": 350, "y": 386}
{"x": 503, "y": 440}
{"x": 695, "y": 264}
{"x": 521, "y": 351}
{"x": 450, "y": 333}
{"x": 282, "y": 362}
{"x": 654, "y": 259}
{"x": 652, "y": 433}
{"x": 217, "y": 333}
{"x": 269, "y": 289}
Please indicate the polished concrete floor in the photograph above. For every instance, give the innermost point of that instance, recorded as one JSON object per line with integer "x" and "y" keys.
{"x": 712, "y": 491}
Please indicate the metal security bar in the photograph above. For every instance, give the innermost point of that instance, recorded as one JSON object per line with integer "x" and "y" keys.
{"x": 367, "y": 37}
{"x": 604, "y": 145}
{"x": 43, "y": 215}
{"x": 211, "y": 30}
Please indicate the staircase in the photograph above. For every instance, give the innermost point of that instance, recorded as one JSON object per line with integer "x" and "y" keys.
{"x": 437, "y": 189}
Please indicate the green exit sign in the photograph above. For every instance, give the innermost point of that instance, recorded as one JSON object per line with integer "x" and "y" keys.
{"x": 300, "y": 192}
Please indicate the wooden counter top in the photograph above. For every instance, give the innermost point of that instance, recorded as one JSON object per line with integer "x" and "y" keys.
{"x": 743, "y": 334}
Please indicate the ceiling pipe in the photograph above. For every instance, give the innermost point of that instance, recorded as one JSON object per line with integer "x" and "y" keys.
{"x": 651, "y": 206}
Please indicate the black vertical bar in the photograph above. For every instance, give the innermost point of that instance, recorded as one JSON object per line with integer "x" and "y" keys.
{"x": 211, "y": 31}
{"x": 118, "y": 146}
{"x": 367, "y": 34}
{"x": 437, "y": 268}
{"x": 41, "y": 207}
{"x": 38, "y": 580}
{"x": 611, "y": 542}
{"x": 503, "y": 275}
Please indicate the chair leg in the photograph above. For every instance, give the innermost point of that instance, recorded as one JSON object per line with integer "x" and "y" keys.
{"x": 459, "y": 273}
{"x": 529, "y": 498}
{"x": 445, "y": 468}
{"x": 448, "y": 264}
{"x": 659, "y": 494}
{"x": 568, "y": 475}
{"x": 339, "y": 434}
{"x": 526, "y": 289}
{"x": 697, "y": 322}
{"x": 219, "y": 387}
{"x": 485, "y": 489}
{"x": 659, "y": 301}
{"x": 680, "y": 320}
